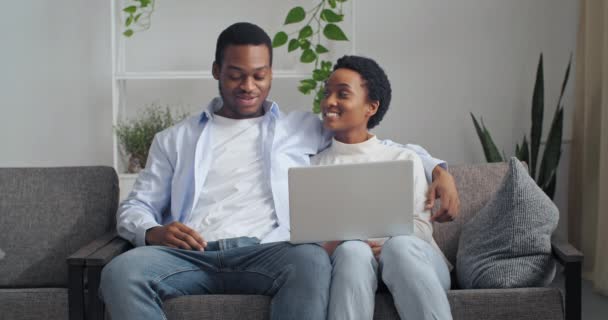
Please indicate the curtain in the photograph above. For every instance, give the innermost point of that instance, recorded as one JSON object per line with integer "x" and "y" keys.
{"x": 588, "y": 189}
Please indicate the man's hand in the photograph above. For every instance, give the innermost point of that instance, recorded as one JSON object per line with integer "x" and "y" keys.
{"x": 175, "y": 235}
{"x": 443, "y": 187}
{"x": 376, "y": 248}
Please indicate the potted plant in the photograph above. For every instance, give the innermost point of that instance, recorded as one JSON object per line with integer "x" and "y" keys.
{"x": 135, "y": 136}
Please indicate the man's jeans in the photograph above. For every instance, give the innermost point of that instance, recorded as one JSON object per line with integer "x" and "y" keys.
{"x": 297, "y": 277}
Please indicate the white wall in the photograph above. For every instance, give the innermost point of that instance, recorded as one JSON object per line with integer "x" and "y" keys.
{"x": 54, "y": 84}
{"x": 444, "y": 58}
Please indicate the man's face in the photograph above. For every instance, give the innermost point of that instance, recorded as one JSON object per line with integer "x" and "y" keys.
{"x": 245, "y": 78}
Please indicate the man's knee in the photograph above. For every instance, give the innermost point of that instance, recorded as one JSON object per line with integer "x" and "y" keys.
{"x": 310, "y": 260}
{"x": 124, "y": 271}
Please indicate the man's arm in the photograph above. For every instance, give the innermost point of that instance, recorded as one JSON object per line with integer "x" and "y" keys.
{"x": 441, "y": 184}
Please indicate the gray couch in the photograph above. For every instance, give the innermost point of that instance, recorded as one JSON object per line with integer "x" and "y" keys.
{"x": 46, "y": 214}
{"x": 476, "y": 184}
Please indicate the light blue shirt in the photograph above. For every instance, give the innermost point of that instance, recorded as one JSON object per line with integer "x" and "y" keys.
{"x": 180, "y": 157}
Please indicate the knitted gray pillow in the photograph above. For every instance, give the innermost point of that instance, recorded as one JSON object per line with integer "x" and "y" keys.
{"x": 508, "y": 243}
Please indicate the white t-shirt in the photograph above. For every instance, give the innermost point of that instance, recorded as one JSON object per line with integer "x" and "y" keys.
{"x": 372, "y": 150}
{"x": 236, "y": 200}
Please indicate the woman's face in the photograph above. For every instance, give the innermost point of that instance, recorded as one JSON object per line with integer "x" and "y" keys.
{"x": 346, "y": 107}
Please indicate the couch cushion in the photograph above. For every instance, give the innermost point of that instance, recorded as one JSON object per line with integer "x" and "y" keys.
{"x": 489, "y": 304}
{"x": 220, "y": 307}
{"x": 476, "y": 184}
{"x": 508, "y": 243}
{"x": 46, "y": 214}
{"x": 30, "y": 304}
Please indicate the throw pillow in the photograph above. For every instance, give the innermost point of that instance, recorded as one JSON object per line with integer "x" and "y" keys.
{"x": 508, "y": 243}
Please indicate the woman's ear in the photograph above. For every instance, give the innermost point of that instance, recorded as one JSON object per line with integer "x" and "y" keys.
{"x": 215, "y": 70}
{"x": 372, "y": 108}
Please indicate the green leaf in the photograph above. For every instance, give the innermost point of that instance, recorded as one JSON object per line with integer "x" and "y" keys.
{"x": 319, "y": 75}
{"x": 130, "y": 9}
{"x": 129, "y": 21}
{"x": 307, "y": 85}
{"x": 137, "y": 17}
{"x": 489, "y": 148}
{"x": 549, "y": 189}
{"x": 308, "y": 56}
{"x": 332, "y": 3}
{"x": 128, "y": 33}
{"x": 293, "y": 45}
{"x": 333, "y": 32}
{"x": 561, "y": 95}
{"x": 144, "y": 3}
{"x": 279, "y": 39}
{"x": 553, "y": 150}
{"x": 305, "y": 32}
{"x": 326, "y": 65}
{"x": 321, "y": 49}
{"x": 295, "y": 15}
{"x": 538, "y": 102}
{"x": 316, "y": 107}
{"x": 304, "y": 44}
{"x": 330, "y": 16}
{"x": 524, "y": 152}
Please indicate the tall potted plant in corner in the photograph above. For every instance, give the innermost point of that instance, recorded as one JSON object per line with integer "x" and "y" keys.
{"x": 545, "y": 173}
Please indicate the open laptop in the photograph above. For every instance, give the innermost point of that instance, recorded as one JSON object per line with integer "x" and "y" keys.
{"x": 351, "y": 201}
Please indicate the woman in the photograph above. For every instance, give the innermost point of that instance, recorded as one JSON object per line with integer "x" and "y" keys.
{"x": 357, "y": 96}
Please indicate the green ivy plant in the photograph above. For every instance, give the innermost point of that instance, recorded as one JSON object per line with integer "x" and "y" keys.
{"x": 322, "y": 19}
{"x": 135, "y": 136}
{"x": 544, "y": 174}
{"x": 137, "y": 16}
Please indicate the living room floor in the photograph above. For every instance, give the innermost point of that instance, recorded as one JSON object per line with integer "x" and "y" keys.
{"x": 594, "y": 306}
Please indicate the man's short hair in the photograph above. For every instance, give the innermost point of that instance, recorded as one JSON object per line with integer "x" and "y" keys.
{"x": 376, "y": 81}
{"x": 241, "y": 33}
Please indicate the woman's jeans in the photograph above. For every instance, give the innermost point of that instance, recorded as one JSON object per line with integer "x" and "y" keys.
{"x": 134, "y": 284}
{"x": 414, "y": 273}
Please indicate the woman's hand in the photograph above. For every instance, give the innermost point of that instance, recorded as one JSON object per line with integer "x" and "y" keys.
{"x": 443, "y": 187}
{"x": 376, "y": 248}
{"x": 330, "y": 246}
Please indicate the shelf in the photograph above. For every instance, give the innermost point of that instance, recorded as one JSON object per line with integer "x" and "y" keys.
{"x": 204, "y": 75}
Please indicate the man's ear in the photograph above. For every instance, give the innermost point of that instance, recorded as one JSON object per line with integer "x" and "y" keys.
{"x": 372, "y": 108}
{"x": 215, "y": 70}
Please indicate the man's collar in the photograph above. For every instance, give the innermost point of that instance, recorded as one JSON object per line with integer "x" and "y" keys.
{"x": 270, "y": 107}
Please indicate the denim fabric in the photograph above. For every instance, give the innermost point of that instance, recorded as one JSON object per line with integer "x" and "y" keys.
{"x": 134, "y": 284}
{"x": 413, "y": 271}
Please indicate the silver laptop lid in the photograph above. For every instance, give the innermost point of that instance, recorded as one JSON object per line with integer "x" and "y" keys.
{"x": 351, "y": 201}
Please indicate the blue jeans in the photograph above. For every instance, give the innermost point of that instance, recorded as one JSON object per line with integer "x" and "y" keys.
{"x": 412, "y": 270}
{"x": 297, "y": 277}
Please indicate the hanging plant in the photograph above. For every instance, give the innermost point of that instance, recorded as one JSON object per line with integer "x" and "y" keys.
{"x": 321, "y": 24}
{"x": 137, "y": 16}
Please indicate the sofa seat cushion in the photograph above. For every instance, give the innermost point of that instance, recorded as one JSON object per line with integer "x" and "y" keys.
{"x": 30, "y": 304}
{"x": 489, "y": 304}
{"x": 508, "y": 243}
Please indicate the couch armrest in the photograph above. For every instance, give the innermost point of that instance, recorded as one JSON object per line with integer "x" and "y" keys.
{"x": 565, "y": 252}
{"x": 112, "y": 248}
{"x": 94, "y": 263}
{"x": 568, "y": 256}
{"x": 77, "y": 275}
{"x": 79, "y": 257}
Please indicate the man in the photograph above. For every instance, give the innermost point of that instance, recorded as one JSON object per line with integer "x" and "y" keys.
{"x": 209, "y": 214}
